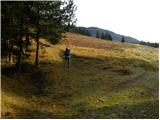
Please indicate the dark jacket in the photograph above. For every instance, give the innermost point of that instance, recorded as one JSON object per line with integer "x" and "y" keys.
{"x": 67, "y": 53}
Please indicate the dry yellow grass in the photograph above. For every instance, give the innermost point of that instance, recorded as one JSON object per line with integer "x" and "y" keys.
{"x": 106, "y": 80}
{"x": 92, "y": 42}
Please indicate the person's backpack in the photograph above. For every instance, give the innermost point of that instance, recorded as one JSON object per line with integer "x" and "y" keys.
{"x": 68, "y": 53}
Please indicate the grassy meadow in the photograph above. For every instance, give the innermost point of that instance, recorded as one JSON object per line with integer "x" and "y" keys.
{"x": 105, "y": 80}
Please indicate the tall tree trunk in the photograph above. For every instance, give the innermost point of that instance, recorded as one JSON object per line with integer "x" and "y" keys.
{"x": 6, "y": 46}
{"x": 10, "y": 52}
{"x": 7, "y": 50}
{"x": 37, "y": 37}
{"x": 27, "y": 39}
{"x": 20, "y": 48}
{"x": 27, "y": 35}
{"x": 37, "y": 49}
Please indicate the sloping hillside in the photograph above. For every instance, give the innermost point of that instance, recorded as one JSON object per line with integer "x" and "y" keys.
{"x": 106, "y": 80}
{"x": 115, "y": 36}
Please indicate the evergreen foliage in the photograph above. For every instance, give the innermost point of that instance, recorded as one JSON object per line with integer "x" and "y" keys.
{"x": 97, "y": 34}
{"x": 123, "y": 39}
{"x": 102, "y": 36}
{"x": 80, "y": 30}
{"x": 156, "y": 45}
{"x": 33, "y": 19}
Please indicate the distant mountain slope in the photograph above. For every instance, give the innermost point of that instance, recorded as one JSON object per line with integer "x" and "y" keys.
{"x": 115, "y": 36}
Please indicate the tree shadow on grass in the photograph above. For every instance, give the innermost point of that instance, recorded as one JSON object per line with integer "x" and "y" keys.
{"x": 31, "y": 80}
{"x": 37, "y": 81}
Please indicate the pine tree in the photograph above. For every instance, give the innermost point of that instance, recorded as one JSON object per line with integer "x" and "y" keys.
{"x": 88, "y": 33}
{"x": 110, "y": 37}
{"x": 9, "y": 32}
{"x": 97, "y": 34}
{"x": 102, "y": 36}
{"x": 123, "y": 39}
{"x": 106, "y": 35}
{"x": 53, "y": 17}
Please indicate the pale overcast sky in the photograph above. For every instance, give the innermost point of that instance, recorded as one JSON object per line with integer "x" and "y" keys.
{"x": 136, "y": 18}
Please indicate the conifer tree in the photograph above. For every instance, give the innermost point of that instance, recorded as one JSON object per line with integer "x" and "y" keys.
{"x": 102, "y": 36}
{"x": 123, "y": 39}
{"x": 97, "y": 34}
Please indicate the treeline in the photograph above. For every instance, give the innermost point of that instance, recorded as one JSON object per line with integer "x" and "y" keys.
{"x": 80, "y": 30}
{"x": 32, "y": 19}
{"x": 156, "y": 45}
{"x": 85, "y": 31}
{"x": 106, "y": 35}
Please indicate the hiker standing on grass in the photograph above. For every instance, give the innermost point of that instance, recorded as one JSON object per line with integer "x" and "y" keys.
{"x": 67, "y": 56}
